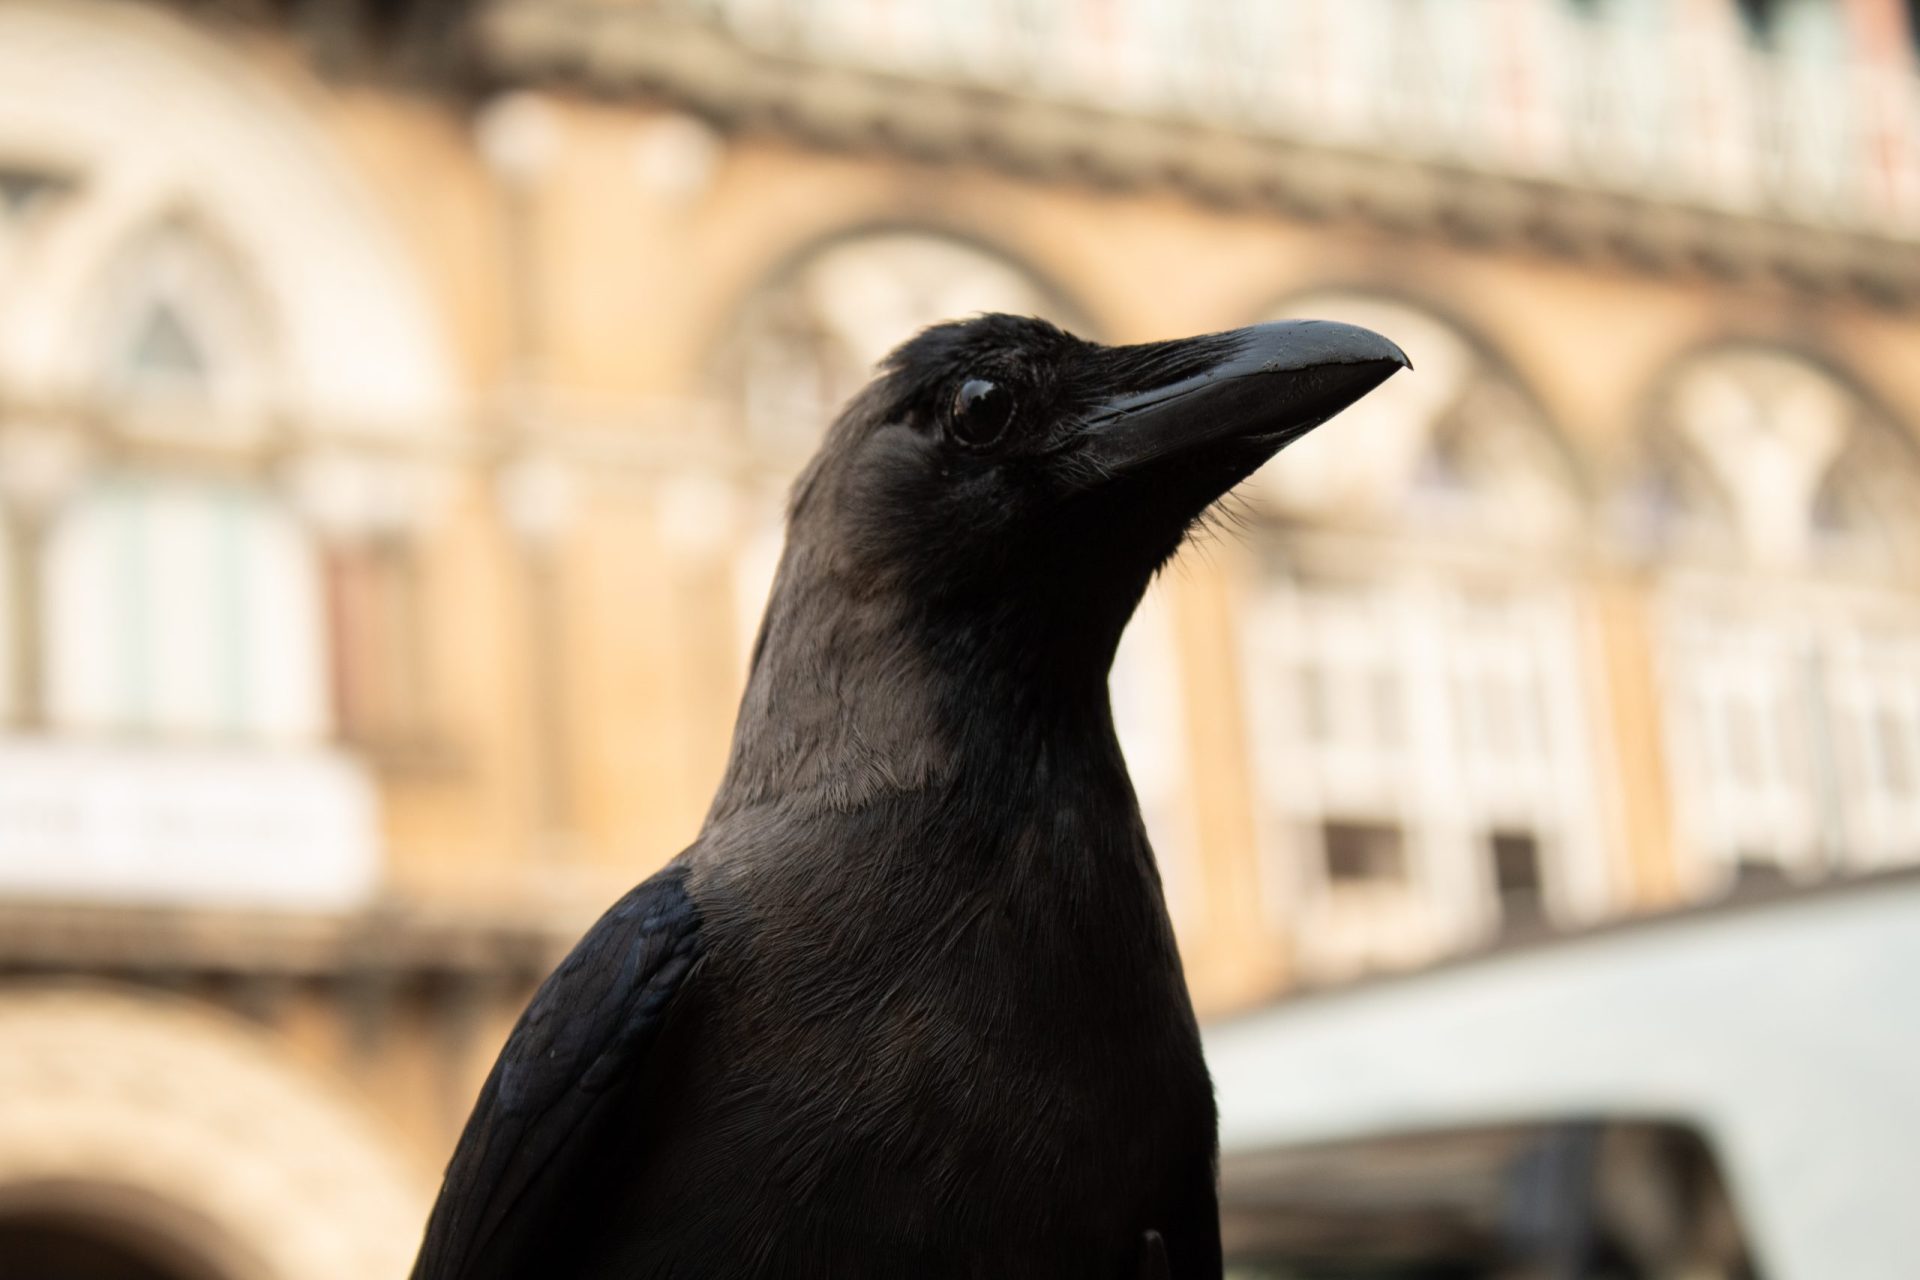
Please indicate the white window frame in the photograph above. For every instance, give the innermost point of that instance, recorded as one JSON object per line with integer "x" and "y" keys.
{"x": 1823, "y": 665}
{"x": 249, "y": 663}
{"x": 1413, "y": 632}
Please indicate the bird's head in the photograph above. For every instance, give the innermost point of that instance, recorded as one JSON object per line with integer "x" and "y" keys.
{"x": 1001, "y": 473}
{"x": 967, "y": 546}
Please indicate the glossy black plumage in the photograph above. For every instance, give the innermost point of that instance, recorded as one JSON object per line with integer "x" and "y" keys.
{"x": 577, "y": 1043}
{"x": 910, "y": 1006}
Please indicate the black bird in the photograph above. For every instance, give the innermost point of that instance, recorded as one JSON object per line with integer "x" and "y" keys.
{"x": 910, "y": 1005}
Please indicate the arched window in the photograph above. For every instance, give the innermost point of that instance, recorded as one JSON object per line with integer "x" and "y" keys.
{"x": 182, "y": 609}
{"x": 1788, "y": 631}
{"x": 1413, "y": 665}
{"x": 1674, "y": 506}
{"x": 181, "y": 345}
{"x": 175, "y": 605}
{"x": 1460, "y": 450}
{"x": 812, "y": 338}
{"x": 54, "y": 1248}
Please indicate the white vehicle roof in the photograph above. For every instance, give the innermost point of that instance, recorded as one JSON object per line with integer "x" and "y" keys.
{"x": 1787, "y": 1031}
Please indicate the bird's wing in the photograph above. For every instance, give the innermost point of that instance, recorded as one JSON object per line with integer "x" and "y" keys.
{"x": 587, "y": 1028}
{"x": 1153, "y": 1258}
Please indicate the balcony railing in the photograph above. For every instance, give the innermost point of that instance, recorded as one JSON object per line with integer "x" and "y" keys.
{"x": 128, "y": 824}
{"x": 1672, "y": 102}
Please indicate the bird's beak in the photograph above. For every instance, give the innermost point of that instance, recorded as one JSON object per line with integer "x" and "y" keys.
{"x": 1263, "y": 386}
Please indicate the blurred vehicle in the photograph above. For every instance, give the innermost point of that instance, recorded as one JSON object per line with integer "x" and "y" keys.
{"x": 1621, "y": 1199}
{"x": 1724, "y": 1094}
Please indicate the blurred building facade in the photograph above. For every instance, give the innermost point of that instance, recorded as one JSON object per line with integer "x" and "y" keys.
{"x": 397, "y": 402}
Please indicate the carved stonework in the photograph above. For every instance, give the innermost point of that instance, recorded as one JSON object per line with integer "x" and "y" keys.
{"x": 113, "y": 1099}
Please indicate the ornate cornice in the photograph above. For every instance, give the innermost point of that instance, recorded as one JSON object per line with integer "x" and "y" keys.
{"x": 630, "y": 49}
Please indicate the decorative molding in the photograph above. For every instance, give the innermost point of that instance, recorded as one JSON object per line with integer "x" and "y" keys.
{"x": 139, "y": 940}
{"x": 619, "y": 49}
{"x": 359, "y": 338}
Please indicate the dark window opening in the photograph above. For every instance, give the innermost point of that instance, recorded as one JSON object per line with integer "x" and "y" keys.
{"x": 1517, "y": 880}
{"x": 1760, "y": 16}
{"x": 1363, "y": 852}
{"x": 23, "y": 190}
{"x": 56, "y": 1249}
{"x": 1758, "y": 871}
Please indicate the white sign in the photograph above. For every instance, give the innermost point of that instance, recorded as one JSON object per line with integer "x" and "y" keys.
{"x": 212, "y": 827}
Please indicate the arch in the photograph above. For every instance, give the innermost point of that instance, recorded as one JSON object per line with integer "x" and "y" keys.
{"x": 1464, "y": 448}
{"x": 1412, "y": 660}
{"x": 1784, "y": 646}
{"x": 184, "y": 1126}
{"x": 1866, "y": 508}
{"x": 361, "y": 344}
{"x": 775, "y": 339}
{"x": 175, "y": 324}
{"x": 1672, "y": 504}
{"x": 840, "y": 303}
{"x": 67, "y": 1230}
{"x": 1062, "y": 306}
{"x": 1804, "y": 466}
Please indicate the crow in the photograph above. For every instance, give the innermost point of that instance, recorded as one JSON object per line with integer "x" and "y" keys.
{"x": 910, "y": 1006}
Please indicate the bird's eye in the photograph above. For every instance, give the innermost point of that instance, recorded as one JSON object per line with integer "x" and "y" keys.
{"x": 981, "y": 411}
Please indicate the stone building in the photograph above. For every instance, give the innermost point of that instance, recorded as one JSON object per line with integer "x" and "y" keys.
{"x": 396, "y": 403}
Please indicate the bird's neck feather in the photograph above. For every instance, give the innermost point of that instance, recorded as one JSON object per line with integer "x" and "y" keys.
{"x": 859, "y": 694}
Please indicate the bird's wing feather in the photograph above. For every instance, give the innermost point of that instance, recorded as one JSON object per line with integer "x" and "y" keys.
{"x": 586, "y": 1029}
{"x": 1153, "y": 1258}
